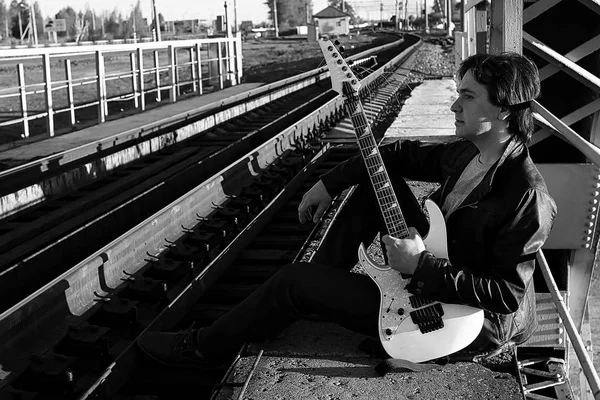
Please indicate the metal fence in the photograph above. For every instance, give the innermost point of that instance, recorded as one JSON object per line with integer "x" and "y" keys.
{"x": 83, "y": 85}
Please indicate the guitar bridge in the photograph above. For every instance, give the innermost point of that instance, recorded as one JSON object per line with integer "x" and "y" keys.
{"x": 428, "y": 319}
{"x": 419, "y": 301}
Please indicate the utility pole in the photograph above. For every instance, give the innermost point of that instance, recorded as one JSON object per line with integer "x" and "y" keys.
{"x": 20, "y": 25}
{"x": 134, "y": 31}
{"x": 425, "y": 15}
{"x": 235, "y": 22}
{"x": 32, "y": 21}
{"x": 275, "y": 18}
{"x": 306, "y": 12}
{"x": 156, "y": 21}
{"x": 449, "y": 17}
{"x": 226, "y": 19}
{"x": 381, "y": 15}
{"x": 227, "y": 24}
{"x": 343, "y": 6}
{"x": 397, "y": 12}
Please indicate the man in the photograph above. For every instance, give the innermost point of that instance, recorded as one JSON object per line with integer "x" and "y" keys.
{"x": 498, "y": 214}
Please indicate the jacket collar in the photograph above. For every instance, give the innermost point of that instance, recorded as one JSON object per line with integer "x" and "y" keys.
{"x": 514, "y": 148}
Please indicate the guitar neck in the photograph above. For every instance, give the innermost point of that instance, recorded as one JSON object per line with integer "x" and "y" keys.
{"x": 388, "y": 203}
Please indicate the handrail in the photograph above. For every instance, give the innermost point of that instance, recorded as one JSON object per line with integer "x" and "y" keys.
{"x": 565, "y": 132}
{"x": 586, "y": 363}
{"x": 113, "y": 48}
{"x": 223, "y": 64}
{"x": 561, "y": 62}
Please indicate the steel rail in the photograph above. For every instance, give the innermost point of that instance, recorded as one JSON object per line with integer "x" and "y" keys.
{"x": 116, "y": 375}
{"x": 75, "y": 292}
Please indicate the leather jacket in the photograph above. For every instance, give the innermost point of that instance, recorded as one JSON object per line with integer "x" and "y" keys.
{"x": 493, "y": 236}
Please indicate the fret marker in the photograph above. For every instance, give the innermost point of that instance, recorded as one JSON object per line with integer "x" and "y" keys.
{"x": 392, "y": 206}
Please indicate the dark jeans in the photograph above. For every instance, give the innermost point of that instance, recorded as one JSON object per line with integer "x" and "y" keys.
{"x": 325, "y": 287}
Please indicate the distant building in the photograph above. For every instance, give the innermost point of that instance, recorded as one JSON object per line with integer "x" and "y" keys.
{"x": 220, "y": 25}
{"x": 332, "y": 21}
{"x": 263, "y": 32}
{"x": 246, "y": 26}
{"x": 182, "y": 26}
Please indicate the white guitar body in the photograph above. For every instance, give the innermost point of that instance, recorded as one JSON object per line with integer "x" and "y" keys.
{"x": 400, "y": 337}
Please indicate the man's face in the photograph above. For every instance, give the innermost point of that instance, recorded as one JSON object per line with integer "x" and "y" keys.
{"x": 473, "y": 112}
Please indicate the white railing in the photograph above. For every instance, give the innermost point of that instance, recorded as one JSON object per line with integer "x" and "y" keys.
{"x": 83, "y": 85}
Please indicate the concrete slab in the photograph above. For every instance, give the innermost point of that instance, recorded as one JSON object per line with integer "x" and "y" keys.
{"x": 430, "y": 121}
{"x": 320, "y": 360}
{"x": 18, "y": 153}
{"x": 426, "y": 114}
{"x": 412, "y": 132}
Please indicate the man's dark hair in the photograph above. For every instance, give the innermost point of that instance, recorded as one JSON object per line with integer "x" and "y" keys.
{"x": 512, "y": 81}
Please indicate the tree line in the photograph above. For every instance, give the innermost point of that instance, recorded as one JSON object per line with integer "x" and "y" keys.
{"x": 15, "y": 18}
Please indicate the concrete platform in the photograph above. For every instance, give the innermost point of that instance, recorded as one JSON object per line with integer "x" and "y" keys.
{"x": 320, "y": 360}
{"x": 84, "y": 140}
{"x": 426, "y": 113}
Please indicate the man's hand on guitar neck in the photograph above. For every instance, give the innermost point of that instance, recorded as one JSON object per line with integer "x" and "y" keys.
{"x": 317, "y": 197}
{"x": 403, "y": 254}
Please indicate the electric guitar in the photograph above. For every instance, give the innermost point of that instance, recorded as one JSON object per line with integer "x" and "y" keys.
{"x": 410, "y": 327}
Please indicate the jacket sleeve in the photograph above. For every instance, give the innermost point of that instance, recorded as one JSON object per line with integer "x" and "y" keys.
{"x": 412, "y": 159}
{"x": 511, "y": 261}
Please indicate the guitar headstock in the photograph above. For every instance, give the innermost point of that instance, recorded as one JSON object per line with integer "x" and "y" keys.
{"x": 338, "y": 68}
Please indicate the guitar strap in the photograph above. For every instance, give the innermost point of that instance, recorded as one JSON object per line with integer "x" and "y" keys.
{"x": 399, "y": 365}
{"x": 373, "y": 347}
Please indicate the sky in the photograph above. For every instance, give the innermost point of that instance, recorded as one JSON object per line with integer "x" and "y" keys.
{"x": 254, "y": 10}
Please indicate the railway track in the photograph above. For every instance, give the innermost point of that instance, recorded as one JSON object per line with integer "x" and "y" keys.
{"x": 182, "y": 235}
{"x": 105, "y": 209}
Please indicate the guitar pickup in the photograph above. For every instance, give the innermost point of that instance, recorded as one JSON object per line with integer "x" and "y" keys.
{"x": 419, "y": 301}
{"x": 428, "y": 319}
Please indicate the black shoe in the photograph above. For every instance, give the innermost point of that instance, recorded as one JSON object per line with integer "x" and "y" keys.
{"x": 176, "y": 350}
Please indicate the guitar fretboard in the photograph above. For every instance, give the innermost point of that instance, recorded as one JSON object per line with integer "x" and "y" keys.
{"x": 388, "y": 203}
